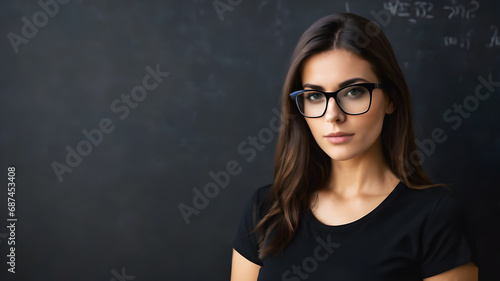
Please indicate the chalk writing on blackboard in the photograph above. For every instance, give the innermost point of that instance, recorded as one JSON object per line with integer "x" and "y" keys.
{"x": 461, "y": 42}
{"x": 495, "y": 38}
{"x": 414, "y": 10}
{"x": 461, "y": 11}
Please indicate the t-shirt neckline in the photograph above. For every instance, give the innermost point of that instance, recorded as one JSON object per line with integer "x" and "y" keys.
{"x": 387, "y": 201}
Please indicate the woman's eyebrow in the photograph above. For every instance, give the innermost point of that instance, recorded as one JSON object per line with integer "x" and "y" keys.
{"x": 342, "y": 84}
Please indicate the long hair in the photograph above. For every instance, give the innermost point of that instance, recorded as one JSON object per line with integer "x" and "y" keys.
{"x": 300, "y": 165}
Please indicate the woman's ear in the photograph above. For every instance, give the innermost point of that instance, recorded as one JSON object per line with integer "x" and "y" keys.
{"x": 389, "y": 108}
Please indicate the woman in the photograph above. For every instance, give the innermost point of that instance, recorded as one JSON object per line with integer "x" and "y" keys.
{"x": 349, "y": 199}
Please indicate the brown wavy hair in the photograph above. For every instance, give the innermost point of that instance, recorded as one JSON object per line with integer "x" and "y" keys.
{"x": 300, "y": 165}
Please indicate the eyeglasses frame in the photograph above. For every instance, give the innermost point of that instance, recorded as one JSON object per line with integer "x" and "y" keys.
{"x": 369, "y": 86}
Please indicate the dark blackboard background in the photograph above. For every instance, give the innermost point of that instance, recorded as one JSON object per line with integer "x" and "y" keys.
{"x": 119, "y": 207}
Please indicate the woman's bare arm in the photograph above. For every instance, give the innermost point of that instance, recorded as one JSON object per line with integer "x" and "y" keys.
{"x": 466, "y": 272}
{"x": 243, "y": 269}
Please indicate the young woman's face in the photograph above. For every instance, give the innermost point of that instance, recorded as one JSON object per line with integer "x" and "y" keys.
{"x": 355, "y": 135}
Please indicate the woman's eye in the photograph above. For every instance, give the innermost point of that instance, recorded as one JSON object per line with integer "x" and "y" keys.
{"x": 314, "y": 96}
{"x": 354, "y": 92}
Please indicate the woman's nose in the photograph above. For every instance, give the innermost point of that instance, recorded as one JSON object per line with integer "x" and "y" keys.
{"x": 333, "y": 112}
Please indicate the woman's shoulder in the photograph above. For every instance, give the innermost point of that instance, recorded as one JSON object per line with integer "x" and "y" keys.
{"x": 430, "y": 193}
{"x": 262, "y": 192}
{"x": 431, "y": 200}
{"x": 261, "y": 199}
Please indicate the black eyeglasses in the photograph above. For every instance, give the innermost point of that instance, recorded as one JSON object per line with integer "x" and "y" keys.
{"x": 353, "y": 99}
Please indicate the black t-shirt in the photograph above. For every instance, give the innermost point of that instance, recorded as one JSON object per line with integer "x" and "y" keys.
{"x": 411, "y": 235}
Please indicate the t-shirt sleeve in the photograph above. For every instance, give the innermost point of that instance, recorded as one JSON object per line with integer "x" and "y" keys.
{"x": 444, "y": 242}
{"x": 245, "y": 241}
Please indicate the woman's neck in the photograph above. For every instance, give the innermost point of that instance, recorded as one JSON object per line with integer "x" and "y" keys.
{"x": 366, "y": 174}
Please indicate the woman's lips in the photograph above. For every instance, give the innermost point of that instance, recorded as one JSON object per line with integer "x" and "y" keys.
{"x": 339, "y": 137}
